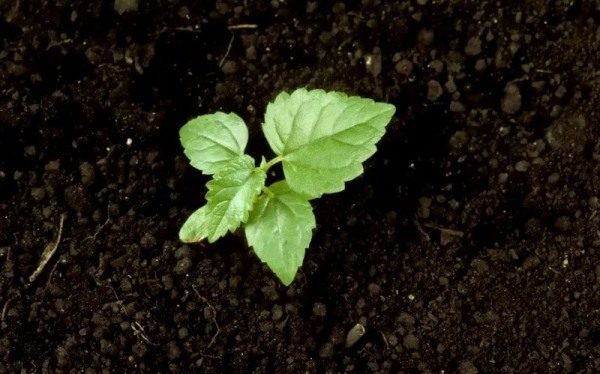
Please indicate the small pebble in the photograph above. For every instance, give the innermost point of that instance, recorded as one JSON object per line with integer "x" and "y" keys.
{"x": 404, "y": 67}
{"x": 38, "y": 193}
{"x": 522, "y": 166}
{"x": 326, "y": 350}
{"x": 354, "y": 335}
{"x": 319, "y": 309}
{"x": 373, "y": 64}
{"x": 410, "y": 342}
{"x": 88, "y": 174}
{"x": 173, "y": 351}
{"x": 183, "y": 266}
{"x": 562, "y": 223}
{"x": 122, "y": 6}
{"x": 457, "y": 107}
{"x": 374, "y": 289}
{"x": 553, "y": 178}
{"x": 473, "y": 47}
{"x": 276, "y": 312}
{"x": 459, "y": 139}
{"x": 511, "y": 102}
{"x": 467, "y": 367}
{"x": 148, "y": 241}
{"x": 53, "y": 166}
{"x": 434, "y": 90}
{"x": 480, "y": 65}
{"x": 229, "y": 67}
{"x": 531, "y": 262}
{"x": 437, "y": 65}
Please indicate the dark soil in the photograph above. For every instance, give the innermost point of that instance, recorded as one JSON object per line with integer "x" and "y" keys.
{"x": 471, "y": 243}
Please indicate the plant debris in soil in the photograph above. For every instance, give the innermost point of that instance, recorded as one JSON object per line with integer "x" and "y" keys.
{"x": 471, "y": 243}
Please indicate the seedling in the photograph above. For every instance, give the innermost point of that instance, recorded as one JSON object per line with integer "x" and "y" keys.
{"x": 321, "y": 140}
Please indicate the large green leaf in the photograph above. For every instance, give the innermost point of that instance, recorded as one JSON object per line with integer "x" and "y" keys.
{"x": 323, "y": 137}
{"x": 211, "y": 140}
{"x": 231, "y": 195}
{"x": 280, "y": 229}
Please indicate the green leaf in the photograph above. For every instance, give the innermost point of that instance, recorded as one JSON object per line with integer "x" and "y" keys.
{"x": 211, "y": 140}
{"x": 230, "y": 197}
{"x": 324, "y": 137}
{"x": 191, "y": 231}
{"x": 280, "y": 229}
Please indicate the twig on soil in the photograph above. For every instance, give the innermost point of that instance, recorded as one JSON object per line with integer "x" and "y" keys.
{"x": 48, "y": 251}
{"x": 243, "y": 26}
{"x": 446, "y": 235}
{"x": 5, "y": 308}
{"x": 385, "y": 341}
{"x": 232, "y": 28}
{"x": 93, "y": 237}
{"x": 181, "y": 28}
{"x": 8, "y": 261}
{"x": 138, "y": 329}
{"x": 50, "y": 276}
{"x": 420, "y": 230}
{"x": 227, "y": 52}
{"x": 214, "y": 316}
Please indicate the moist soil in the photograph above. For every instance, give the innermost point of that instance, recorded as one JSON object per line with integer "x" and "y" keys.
{"x": 470, "y": 244}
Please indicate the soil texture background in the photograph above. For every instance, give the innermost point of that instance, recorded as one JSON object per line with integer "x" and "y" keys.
{"x": 470, "y": 244}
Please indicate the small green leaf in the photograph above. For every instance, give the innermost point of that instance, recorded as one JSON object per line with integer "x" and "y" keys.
{"x": 191, "y": 231}
{"x": 230, "y": 197}
{"x": 324, "y": 137}
{"x": 211, "y": 140}
{"x": 280, "y": 229}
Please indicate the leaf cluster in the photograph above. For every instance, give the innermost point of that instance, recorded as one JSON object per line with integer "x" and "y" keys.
{"x": 320, "y": 139}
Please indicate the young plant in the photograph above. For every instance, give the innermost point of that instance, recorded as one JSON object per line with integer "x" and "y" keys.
{"x": 321, "y": 140}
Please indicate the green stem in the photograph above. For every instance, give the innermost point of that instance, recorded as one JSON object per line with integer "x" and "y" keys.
{"x": 267, "y": 191}
{"x": 266, "y": 166}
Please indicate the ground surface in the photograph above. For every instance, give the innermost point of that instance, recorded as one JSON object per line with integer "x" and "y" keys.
{"x": 470, "y": 244}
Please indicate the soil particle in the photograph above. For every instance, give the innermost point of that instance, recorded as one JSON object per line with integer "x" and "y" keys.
{"x": 568, "y": 134}
{"x": 531, "y": 262}
{"x": 38, "y": 193}
{"x": 326, "y": 350}
{"x": 77, "y": 198}
{"x": 434, "y": 90}
{"x": 459, "y": 139}
{"x": 511, "y": 101}
{"x": 148, "y": 241}
{"x": 229, "y": 67}
{"x": 437, "y": 65}
{"x": 410, "y": 342}
{"x": 473, "y": 47}
{"x": 562, "y": 224}
{"x": 457, "y": 107}
{"x": 276, "y": 312}
{"x": 183, "y": 266}
{"x": 374, "y": 289}
{"x": 319, "y": 309}
{"x": 522, "y": 166}
{"x": 354, "y": 335}
{"x": 173, "y": 350}
{"x": 467, "y": 367}
{"x": 88, "y": 174}
{"x": 122, "y": 6}
{"x": 404, "y": 67}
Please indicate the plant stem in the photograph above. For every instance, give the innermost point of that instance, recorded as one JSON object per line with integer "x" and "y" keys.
{"x": 267, "y": 191}
{"x": 266, "y": 166}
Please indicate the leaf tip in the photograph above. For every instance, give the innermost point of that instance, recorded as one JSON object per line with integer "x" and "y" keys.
{"x": 286, "y": 278}
{"x": 187, "y": 238}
